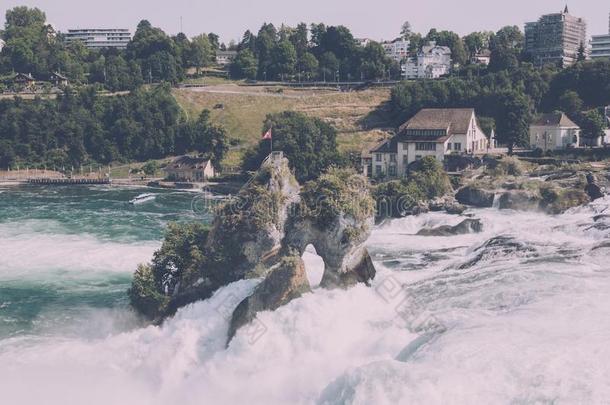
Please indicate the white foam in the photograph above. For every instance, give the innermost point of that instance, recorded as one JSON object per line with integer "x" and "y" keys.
{"x": 26, "y": 251}
{"x": 509, "y": 330}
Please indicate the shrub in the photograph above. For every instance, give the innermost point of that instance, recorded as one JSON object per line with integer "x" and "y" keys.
{"x": 337, "y": 191}
{"x": 144, "y": 295}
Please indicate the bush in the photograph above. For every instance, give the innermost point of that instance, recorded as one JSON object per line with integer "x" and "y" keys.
{"x": 337, "y": 191}
{"x": 507, "y": 166}
{"x": 427, "y": 180}
{"x": 179, "y": 259}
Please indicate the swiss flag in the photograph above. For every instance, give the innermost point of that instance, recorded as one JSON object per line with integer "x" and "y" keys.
{"x": 267, "y": 135}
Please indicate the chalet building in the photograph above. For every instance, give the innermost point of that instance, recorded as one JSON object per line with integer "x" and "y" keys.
{"x": 189, "y": 168}
{"x": 58, "y": 79}
{"x": 24, "y": 81}
{"x": 431, "y": 132}
{"x": 554, "y": 131}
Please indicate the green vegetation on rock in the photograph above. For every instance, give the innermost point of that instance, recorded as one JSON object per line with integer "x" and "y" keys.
{"x": 337, "y": 191}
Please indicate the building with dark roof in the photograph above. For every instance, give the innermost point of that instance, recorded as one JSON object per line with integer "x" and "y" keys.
{"x": 190, "y": 168}
{"x": 433, "y": 132}
{"x": 553, "y": 131}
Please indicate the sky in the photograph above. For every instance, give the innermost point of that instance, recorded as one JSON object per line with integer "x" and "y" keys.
{"x": 378, "y": 19}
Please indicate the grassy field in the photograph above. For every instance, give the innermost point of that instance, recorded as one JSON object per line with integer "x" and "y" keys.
{"x": 242, "y": 110}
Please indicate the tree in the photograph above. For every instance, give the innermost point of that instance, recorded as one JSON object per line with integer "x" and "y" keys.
{"x": 582, "y": 56}
{"x": 244, "y": 66}
{"x": 201, "y": 52}
{"x": 150, "y": 168}
{"x": 308, "y": 65}
{"x": 570, "y": 103}
{"x": 513, "y": 119}
{"x": 298, "y": 38}
{"x": 506, "y": 46}
{"x": 329, "y": 64}
{"x": 592, "y": 124}
{"x": 283, "y": 59}
{"x": 214, "y": 41}
{"x": 309, "y": 143}
{"x": 405, "y": 30}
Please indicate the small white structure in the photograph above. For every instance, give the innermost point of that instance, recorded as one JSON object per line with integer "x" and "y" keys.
{"x": 554, "y": 131}
{"x": 397, "y": 49}
{"x": 363, "y": 41}
{"x": 431, "y": 132}
{"x": 431, "y": 62}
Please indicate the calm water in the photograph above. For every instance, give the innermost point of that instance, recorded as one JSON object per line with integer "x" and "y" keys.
{"x": 517, "y": 314}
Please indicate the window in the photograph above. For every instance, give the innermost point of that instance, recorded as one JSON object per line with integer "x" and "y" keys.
{"x": 425, "y": 146}
{"x": 392, "y": 158}
{"x": 405, "y": 146}
{"x": 449, "y": 146}
{"x": 457, "y": 146}
{"x": 378, "y": 170}
{"x": 392, "y": 170}
{"x": 378, "y": 157}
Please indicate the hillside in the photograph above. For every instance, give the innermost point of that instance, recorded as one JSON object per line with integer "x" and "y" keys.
{"x": 242, "y": 110}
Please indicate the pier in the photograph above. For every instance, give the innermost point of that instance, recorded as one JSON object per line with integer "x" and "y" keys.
{"x": 68, "y": 181}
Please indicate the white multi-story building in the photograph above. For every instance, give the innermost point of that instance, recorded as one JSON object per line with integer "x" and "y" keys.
{"x": 397, "y": 49}
{"x": 433, "y": 132}
{"x": 600, "y": 46}
{"x": 99, "y": 38}
{"x": 431, "y": 62}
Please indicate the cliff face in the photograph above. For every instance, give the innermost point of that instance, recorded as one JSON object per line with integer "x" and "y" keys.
{"x": 269, "y": 224}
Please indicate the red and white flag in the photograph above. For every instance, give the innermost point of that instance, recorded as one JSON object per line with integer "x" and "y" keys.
{"x": 267, "y": 135}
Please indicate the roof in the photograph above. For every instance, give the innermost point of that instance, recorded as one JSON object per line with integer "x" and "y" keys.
{"x": 226, "y": 53}
{"x": 387, "y": 146}
{"x": 59, "y": 76}
{"x": 188, "y": 162}
{"x": 555, "y": 119}
{"x": 452, "y": 120}
{"x": 27, "y": 76}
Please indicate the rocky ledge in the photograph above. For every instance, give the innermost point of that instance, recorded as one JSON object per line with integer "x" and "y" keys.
{"x": 263, "y": 233}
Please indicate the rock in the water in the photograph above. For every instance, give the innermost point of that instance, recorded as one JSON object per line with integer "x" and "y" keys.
{"x": 519, "y": 200}
{"x": 466, "y": 226}
{"x": 475, "y": 197}
{"x": 336, "y": 216}
{"x": 270, "y": 219}
{"x": 283, "y": 284}
{"x": 592, "y": 189}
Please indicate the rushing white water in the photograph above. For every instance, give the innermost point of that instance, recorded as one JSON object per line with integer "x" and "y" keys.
{"x": 523, "y": 318}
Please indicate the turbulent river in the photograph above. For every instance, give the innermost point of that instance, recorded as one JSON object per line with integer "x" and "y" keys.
{"x": 519, "y": 313}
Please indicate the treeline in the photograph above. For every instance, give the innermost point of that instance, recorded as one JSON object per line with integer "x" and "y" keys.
{"x": 507, "y": 100}
{"x": 33, "y": 46}
{"x": 317, "y": 52}
{"x": 77, "y": 129}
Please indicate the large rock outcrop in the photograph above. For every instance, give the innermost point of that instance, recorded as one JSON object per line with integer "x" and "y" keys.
{"x": 285, "y": 282}
{"x": 519, "y": 200}
{"x": 272, "y": 219}
{"x": 476, "y": 197}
